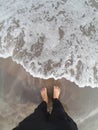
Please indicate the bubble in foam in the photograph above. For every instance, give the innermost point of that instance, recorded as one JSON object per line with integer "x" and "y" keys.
{"x": 52, "y": 38}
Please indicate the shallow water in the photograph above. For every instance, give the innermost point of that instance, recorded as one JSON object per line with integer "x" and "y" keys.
{"x": 20, "y": 95}
{"x": 57, "y": 43}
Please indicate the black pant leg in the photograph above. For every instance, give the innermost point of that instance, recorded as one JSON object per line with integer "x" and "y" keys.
{"x": 58, "y": 111}
{"x": 40, "y": 114}
{"x": 59, "y": 116}
{"x": 41, "y": 111}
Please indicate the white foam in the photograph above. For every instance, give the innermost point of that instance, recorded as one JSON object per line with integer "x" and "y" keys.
{"x": 52, "y": 39}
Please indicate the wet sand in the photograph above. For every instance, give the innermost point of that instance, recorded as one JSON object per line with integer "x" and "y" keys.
{"x": 20, "y": 95}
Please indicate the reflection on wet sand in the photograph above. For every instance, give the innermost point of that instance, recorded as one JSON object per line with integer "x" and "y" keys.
{"x": 20, "y": 94}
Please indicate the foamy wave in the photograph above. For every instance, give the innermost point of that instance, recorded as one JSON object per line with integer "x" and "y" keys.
{"x": 52, "y": 38}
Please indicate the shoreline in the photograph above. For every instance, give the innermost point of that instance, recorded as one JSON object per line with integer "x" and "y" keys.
{"x": 20, "y": 94}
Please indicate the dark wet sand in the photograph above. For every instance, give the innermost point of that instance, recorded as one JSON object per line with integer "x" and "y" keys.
{"x": 20, "y": 94}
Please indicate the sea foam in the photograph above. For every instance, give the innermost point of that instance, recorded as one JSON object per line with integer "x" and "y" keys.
{"x": 52, "y": 38}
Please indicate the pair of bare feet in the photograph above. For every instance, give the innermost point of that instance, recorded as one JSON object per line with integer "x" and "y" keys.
{"x": 44, "y": 95}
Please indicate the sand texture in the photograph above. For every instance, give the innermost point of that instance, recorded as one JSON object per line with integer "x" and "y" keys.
{"x": 20, "y": 95}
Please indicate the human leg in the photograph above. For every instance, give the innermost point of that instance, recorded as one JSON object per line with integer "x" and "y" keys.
{"x": 58, "y": 110}
{"x": 39, "y": 115}
{"x": 41, "y": 110}
{"x": 58, "y": 115}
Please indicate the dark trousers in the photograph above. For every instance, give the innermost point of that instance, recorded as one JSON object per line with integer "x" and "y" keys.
{"x": 41, "y": 119}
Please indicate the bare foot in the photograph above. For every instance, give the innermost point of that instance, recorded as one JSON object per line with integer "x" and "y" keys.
{"x": 44, "y": 94}
{"x": 56, "y": 92}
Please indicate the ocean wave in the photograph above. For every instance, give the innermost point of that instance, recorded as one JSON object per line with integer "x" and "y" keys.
{"x": 52, "y": 39}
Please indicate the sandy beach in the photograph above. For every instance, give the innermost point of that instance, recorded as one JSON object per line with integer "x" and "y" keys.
{"x": 20, "y": 95}
{"x": 50, "y": 39}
